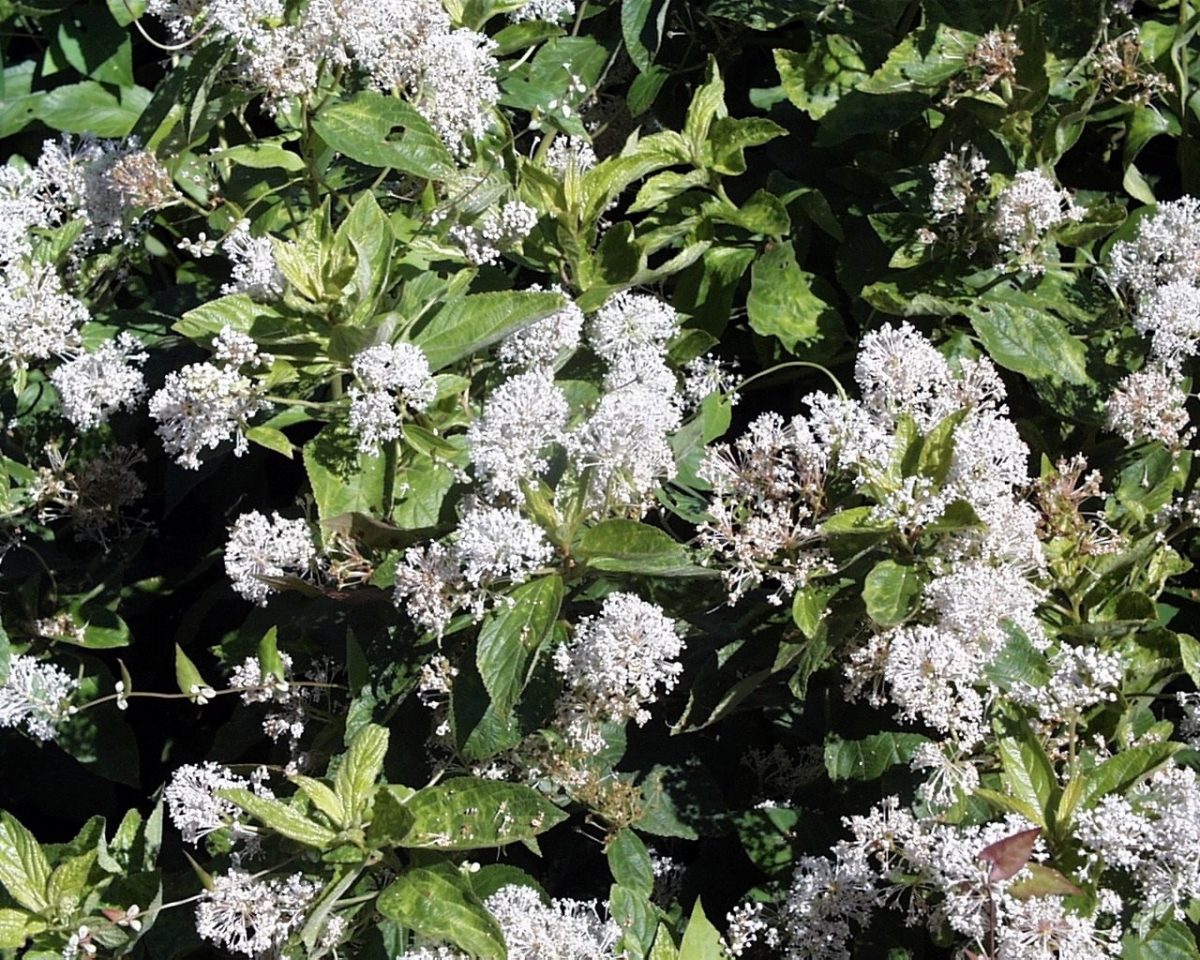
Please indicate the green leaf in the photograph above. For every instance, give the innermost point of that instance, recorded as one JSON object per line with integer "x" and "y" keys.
{"x": 323, "y": 798}
{"x": 472, "y": 323}
{"x": 708, "y": 103}
{"x": 867, "y": 759}
{"x": 283, "y": 818}
{"x": 187, "y": 677}
{"x": 355, "y": 780}
{"x": 344, "y": 480}
{"x": 469, "y": 814}
{"x": 69, "y": 883}
{"x": 891, "y": 591}
{"x": 642, "y": 29}
{"x": 627, "y": 546}
{"x": 816, "y": 79}
{"x": 1189, "y": 650}
{"x": 1172, "y": 941}
{"x": 261, "y": 155}
{"x": 937, "y": 451}
{"x": 272, "y": 439}
{"x": 1028, "y": 774}
{"x": 1029, "y": 341}
{"x": 17, "y": 926}
{"x": 701, "y": 940}
{"x": 236, "y": 310}
{"x": 512, "y": 635}
{"x": 270, "y": 663}
{"x": 768, "y": 835}
{"x": 438, "y": 903}
{"x": 1121, "y": 771}
{"x": 91, "y": 41}
{"x": 664, "y": 945}
{"x": 730, "y": 137}
{"x": 630, "y": 863}
{"x": 1044, "y": 881}
{"x": 809, "y": 604}
{"x": 89, "y": 107}
{"x": 361, "y": 128}
{"x": 756, "y": 14}
{"x": 24, "y": 870}
{"x": 782, "y": 303}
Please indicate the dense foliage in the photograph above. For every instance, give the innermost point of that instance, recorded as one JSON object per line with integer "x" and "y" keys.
{"x": 581, "y": 479}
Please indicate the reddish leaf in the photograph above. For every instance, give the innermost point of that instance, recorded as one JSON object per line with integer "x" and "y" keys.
{"x": 1009, "y": 855}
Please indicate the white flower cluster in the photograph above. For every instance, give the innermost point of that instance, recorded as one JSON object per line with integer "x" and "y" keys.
{"x": 557, "y": 930}
{"x": 1024, "y": 214}
{"x": 97, "y": 182}
{"x": 766, "y": 490}
{"x": 1152, "y": 833}
{"x": 254, "y": 916}
{"x": 254, "y": 270}
{"x": 95, "y": 385}
{"x": 1160, "y": 268}
{"x": 393, "y": 379}
{"x": 936, "y": 871}
{"x": 960, "y": 180}
{"x": 622, "y": 451}
{"x": 568, "y": 153}
{"x": 192, "y": 801}
{"x": 615, "y": 665}
{"x": 544, "y": 342}
{"x": 38, "y": 318}
{"x": 537, "y": 929}
{"x": 1082, "y": 677}
{"x": 261, "y": 546}
{"x": 521, "y": 419}
{"x": 36, "y": 696}
{"x": 498, "y": 231}
{"x": 202, "y": 405}
{"x": 492, "y": 545}
{"x": 1019, "y": 220}
{"x": 406, "y": 44}
{"x": 290, "y": 701}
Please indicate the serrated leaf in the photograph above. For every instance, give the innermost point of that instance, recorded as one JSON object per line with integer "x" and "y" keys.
{"x": 17, "y": 926}
{"x": 322, "y": 797}
{"x": 512, "y": 635}
{"x": 472, "y": 323}
{"x": 701, "y": 940}
{"x": 355, "y": 780}
{"x": 24, "y": 870}
{"x": 69, "y": 882}
{"x": 627, "y": 546}
{"x": 283, "y": 818}
{"x": 1028, "y": 774}
{"x": 868, "y": 758}
{"x": 1044, "y": 881}
{"x": 469, "y": 814}
{"x": 1189, "y": 651}
{"x": 629, "y": 862}
{"x": 271, "y": 439}
{"x": 438, "y": 903}
{"x": 1029, "y": 341}
{"x": 782, "y": 302}
{"x": 1118, "y": 772}
{"x": 361, "y": 128}
{"x": 891, "y": 591}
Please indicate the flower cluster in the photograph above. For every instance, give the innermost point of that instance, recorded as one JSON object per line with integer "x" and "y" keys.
{"x": 261, "y": 546}
{"x": 393, "y": 379}
{"x": 35, "y": 695}
{"x": 254, "y": 916}
{"x": 406, "y": 44}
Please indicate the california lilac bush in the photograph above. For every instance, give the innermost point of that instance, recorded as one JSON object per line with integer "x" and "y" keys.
{"x": 599, "y": 479}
